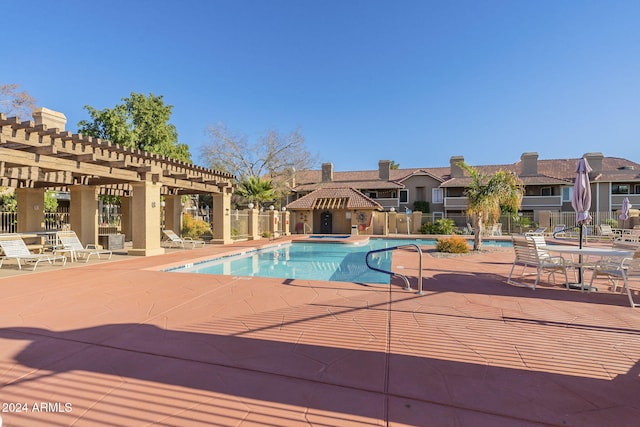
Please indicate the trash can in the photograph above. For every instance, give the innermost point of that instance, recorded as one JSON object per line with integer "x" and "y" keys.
{"x": 354, "y": 230}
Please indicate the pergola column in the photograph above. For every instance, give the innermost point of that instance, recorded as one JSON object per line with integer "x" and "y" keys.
{"x": 146, "y": 226}
{"x": 222, "y": 217}
{"x": 83, "y": 212}
{"x": 173, "y": 213}
{"x": 30, "y": 209}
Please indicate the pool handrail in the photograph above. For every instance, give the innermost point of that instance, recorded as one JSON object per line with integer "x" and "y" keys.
{"x": 391, "y": 273}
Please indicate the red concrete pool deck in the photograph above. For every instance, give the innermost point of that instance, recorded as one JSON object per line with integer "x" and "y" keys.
{"x": 120, "y": 343}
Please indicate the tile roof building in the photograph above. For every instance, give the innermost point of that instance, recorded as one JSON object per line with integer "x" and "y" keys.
{"x": 548, "y": 184}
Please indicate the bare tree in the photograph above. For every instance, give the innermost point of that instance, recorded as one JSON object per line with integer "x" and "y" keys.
{"x": 16, "y": 103}
{"x": 271, "y": 155}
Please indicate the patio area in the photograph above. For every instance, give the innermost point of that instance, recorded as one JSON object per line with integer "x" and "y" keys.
{"x": 122, "y": 343}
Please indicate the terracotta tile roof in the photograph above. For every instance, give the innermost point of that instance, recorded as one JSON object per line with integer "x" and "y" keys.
{"x": 334, "y": 198}
{"x": 550, "y": 172}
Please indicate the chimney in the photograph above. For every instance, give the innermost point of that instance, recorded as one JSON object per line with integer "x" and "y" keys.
{"x": 327, "y": 172}
{"x": 595, "y": 161}
{"x": 529, "y": 164}
{"x": 384, "y": 166}
{"x": 456, "y": 170}
{"x": 51, "y": 119}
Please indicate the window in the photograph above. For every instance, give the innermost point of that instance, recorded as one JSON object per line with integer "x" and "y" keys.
{"x": 372, "y": 194}
{"x": 404, "y": 196}
{"x": 567, "y": 194}
{"x": 546, "y": 191}
{"x": 619, "y": 189}
{"x": 436, "y": 195}
{"x": 637, "y": 189}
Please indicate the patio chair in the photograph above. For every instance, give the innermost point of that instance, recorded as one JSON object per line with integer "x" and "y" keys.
{"x": 469, "y": 229}
{"x": 70, "y": 243}
{"x": 529, "y": 254}
{"x": 539, "y": 230}
{"x": 175, "y": 241}
{"x": 605, "y": 232}
{"x": 616, "y": 269}
{"x": 559, "y": 230}
{"x": 15, "y": 248}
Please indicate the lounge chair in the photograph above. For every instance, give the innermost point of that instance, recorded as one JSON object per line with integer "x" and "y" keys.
{"x": 70, "y": 243}
{"x": 559, "y": 231}
{"x": 175, "y": 241}
{"x": 539, "y": 230}
{"x": 530, "y": 254}
{"x": 15, "y": 248}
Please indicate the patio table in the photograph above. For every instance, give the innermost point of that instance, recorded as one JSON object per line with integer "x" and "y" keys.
{"x": 584, "y": 254}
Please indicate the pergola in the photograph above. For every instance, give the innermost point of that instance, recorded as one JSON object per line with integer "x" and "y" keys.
{"x": 40, "y": 155}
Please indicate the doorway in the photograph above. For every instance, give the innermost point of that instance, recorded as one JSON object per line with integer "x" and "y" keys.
{"x": 326, "y": 220}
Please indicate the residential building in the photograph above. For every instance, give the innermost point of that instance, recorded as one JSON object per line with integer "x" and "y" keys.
{"x": 548, "y": 184}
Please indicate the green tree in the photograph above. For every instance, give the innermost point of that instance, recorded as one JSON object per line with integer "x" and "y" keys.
{"x": 394, "y": 165}
{"x": 141, "y": 122}
{"x": 488, "y": 195}
{"x": 256, "y": 190}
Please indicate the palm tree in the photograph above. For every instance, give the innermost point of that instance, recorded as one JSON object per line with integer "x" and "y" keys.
{"x": 256, "y": 190}
{"x": 488, "y": 195}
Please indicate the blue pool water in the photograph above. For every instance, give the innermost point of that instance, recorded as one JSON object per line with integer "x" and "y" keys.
{"x": 312, "y": 261}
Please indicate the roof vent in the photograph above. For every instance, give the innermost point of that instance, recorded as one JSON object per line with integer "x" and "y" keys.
{"x": 626, "y": 168}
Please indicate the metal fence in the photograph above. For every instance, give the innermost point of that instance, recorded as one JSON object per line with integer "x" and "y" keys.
{"x": 8, "y": 222}
{"x": 239, "y": 224}
{"x": 263, "y": 223}
{"x": 525, "y": 221}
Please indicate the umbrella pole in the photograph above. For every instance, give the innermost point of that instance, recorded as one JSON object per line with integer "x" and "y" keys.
{"x": 580, "y": 258}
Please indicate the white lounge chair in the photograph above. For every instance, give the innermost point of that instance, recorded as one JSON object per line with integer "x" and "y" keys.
{"x": 70, "y": 243}
{"x": 175, "y": 241}
{"x": 14, "y": 248}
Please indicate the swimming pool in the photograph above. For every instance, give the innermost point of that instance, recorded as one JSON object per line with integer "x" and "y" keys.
{"x": 312, "y": 261}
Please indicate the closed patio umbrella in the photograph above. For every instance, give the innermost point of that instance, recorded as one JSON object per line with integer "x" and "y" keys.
{"x": 626, "y": 207}
{"x": 581, "y": 200}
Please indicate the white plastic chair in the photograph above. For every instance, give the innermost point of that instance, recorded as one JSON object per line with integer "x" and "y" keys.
{"x": 529, "y": 254}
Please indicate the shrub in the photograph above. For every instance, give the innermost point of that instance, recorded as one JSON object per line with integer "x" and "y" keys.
{"x": 194, "y": 228}
{"x": 452, "y": 245}
{"x": 441, "y": 226}
{"x": 612, "y": 222}
{"x": 421, "y": 206}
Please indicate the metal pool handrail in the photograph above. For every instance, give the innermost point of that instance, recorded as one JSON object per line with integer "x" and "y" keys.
{"x": 391, "y": 273}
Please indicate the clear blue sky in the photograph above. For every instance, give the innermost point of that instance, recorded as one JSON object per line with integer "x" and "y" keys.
{"x": 411, "y": 81}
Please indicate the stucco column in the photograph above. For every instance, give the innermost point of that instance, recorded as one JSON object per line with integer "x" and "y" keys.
{"x": 274, "y": 222}
{"x": 30, "y": 209}
{"x": 416, "y": 222}
{"x": 83, "y": 212}
{"x": 146, "y": 214}
{"x": 222, "y": 218}
{"x": 126, "y": 218}
{"x": 254, "y": 227}
{"x": 173, "y": 213}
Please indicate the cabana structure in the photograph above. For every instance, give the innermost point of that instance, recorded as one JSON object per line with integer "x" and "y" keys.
{"x": 334, "y": 210}
{"x": 40, "y": 155}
